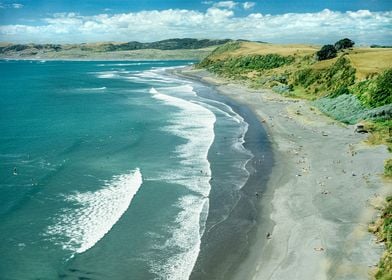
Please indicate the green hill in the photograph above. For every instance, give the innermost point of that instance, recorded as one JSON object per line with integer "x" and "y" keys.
{"x": 353, "y": 86}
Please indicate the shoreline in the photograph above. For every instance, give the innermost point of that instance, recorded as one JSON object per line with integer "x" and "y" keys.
{"x": 235, "y": 227}
{"x": 322, "y": 193}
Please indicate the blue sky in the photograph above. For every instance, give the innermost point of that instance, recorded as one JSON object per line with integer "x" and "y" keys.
{"x": 367, "y": 21}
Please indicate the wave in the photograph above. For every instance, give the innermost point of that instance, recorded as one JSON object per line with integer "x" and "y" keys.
{"x": 107, "y": 75}
{"x": 77, "y": 230}
{"x": 243, "y": 128}
{"x": 189, "y": 123}
{"x": 129, "y": 64}
{"x": 158, "y": 74}
{"x": 93, "y": 89}
{"x": 239, "y": 130}
{"x": 186, "y": 238}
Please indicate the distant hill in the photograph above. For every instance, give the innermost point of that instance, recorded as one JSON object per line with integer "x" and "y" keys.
{"x": 112, "y": 50}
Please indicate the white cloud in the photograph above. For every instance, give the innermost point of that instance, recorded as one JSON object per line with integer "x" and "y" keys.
{"x": 364, "y": 27}
{"x": 13, "y": 5}
{"x": 226, "y": 4}
{"x": 17, "y": 6}
{"x": 248, "y": 5}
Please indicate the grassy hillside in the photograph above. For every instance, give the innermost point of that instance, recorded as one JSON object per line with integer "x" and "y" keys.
{"x": 354, "y": 86}
{"x": 237, "y": 60}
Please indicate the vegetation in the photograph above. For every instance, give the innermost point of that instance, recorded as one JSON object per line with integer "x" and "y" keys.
{"x": 344, "y": 44}
{"x": 326, "y": 52}
{"x": 377, "y": 91}
{"x": 330, "y": 51}
{"x": 382, "y": 228}
{"x": 380, "y": 133}
{"x": 230, "y": 46}
{"x": 237, "y": 66}
{"x": 380, "y": 46}
{"x": 388, "y": 168}
{"x": 292, "y": 70}
{"x": 333, "y": 81}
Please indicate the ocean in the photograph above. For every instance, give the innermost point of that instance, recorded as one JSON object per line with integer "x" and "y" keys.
{"x": 119, "y": 170}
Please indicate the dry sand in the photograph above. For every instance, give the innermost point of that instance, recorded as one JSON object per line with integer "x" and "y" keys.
{"x": 323, "y": 191}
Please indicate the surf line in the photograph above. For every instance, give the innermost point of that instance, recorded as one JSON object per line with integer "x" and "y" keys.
{"x": 96, "y": 213}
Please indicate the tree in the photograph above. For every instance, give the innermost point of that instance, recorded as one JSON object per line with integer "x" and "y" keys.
{"x": 326, "y": 52}
{"x": 344, "y": 44}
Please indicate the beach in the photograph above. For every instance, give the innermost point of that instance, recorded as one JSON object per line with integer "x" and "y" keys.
{"x": 323, "y": 191}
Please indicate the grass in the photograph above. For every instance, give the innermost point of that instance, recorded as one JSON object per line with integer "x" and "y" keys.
{"x": 370, "y": 61}
{"x": 380, "y": 133}
{"x": 382, "y": 228}
{"x": 388, "y": 168}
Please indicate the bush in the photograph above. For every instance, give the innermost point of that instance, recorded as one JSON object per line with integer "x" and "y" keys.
{"x": 340, "y": 91}
{"x": 388, "y": 168}
{"x": 235, "y": 66}
{"x": 341, "y": 74}
{"x": 375, "y": 92}
{"x": 382, "y": 93}
{"x": 344, "y": 44}
{"x": 384, "y": 233}
{"x": 326, "y": 52}
{"x": 306, "y": 77}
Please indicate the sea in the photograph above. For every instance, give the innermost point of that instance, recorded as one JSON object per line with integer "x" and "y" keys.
{"x": 120, "y": 170}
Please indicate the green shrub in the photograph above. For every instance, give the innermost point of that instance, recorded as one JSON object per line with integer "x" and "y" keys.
{"x": 306, "y": 77}
{"x": 384, "y": 233}
{"x": 335, "y": 79}
{"x": 235, "y": 66}
{"x": 344, "y": 44}
{"x": 377, "y": 91}
{"x": 326, "y": 52}
{"x": 340, "y": 75}
{"x": 340, "y": 91}
{"x": 388, "y": 168}
{"x": 382, "y": 93}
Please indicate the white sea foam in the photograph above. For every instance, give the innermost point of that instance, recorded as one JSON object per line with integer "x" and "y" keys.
{"x": 78, "y": 229}
{"x": 130, "y": 64}
{"x": 158, "y": 74}
{"x": 93, "y": 89}
{"x": 192, "y": 121}
{"x": 186, "y": 239}
{"x": 238, "y": 143}
{"x": 108, "y": 75}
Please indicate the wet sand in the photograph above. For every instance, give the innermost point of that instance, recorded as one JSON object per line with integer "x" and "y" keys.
{"x": 322, "y": 193}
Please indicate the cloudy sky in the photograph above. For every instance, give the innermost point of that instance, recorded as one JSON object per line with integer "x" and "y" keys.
{"x": 276, "y": 21}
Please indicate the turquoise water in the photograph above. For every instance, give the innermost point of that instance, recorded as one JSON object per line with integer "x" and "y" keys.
{"x": 106, "y": 169}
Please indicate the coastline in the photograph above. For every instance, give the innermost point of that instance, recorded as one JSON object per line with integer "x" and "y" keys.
{"x": 322, "y": 193}
{"x": 233, "y": 205}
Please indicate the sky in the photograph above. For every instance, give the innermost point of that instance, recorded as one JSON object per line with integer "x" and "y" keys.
{"x": 276, "y": 21}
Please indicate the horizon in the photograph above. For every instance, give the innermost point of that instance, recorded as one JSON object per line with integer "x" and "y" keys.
{"x": 310, "y": 22}
{"x": 168, "y": 39}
